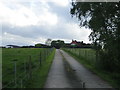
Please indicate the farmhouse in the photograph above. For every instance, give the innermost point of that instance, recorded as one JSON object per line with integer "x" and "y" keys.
{"x": 76, "y": 43}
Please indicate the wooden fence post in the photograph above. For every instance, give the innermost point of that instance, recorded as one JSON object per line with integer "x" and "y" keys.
{"x": 83, "y": 85}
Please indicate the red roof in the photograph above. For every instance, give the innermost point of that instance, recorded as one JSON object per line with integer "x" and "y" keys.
{"x": 74, "y": 42}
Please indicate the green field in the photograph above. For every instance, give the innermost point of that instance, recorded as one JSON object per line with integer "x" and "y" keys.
{"x": 20, "y": 65}
{"x": 88, "y": 58}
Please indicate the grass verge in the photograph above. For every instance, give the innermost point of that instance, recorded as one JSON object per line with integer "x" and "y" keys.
{"x": 112, "y": 78}
{"x": 39, "y": 76}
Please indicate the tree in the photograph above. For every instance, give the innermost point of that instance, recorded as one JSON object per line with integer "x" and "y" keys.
{"x": 48, "y": 42}
{"x": 103, "y": 18}
{"x": 38, "y": 45}
{"x": 57, "y": 44}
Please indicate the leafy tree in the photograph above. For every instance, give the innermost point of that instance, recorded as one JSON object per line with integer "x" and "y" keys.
{"x": 38, "y": 45}
{"x": 57, "y": 44}
{"x": 48, "y": 42}
{"x": 103, "y": 18}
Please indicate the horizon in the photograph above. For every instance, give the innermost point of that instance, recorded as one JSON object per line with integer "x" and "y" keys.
{"x": 44, "y": 43}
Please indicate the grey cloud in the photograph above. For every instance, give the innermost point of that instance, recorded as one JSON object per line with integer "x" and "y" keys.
{"x": 63, "y": 12}
{"x": 60, "y": 30}
{"x": 29, "y": 32}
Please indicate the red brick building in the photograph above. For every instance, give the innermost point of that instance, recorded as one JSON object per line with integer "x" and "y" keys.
{"x": 76, "y": 43}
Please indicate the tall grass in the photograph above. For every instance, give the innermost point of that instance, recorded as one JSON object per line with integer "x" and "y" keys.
{"x": 89, "y": 59}
{"x": 40, "y": 75}
{"x": 86, "y": 55}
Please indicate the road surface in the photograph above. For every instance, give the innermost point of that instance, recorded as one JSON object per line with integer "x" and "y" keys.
{"x": 66, "y": 72}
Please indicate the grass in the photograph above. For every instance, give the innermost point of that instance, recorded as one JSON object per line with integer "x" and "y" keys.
{"x": 40, "y": 75}
{"x": 23, "y": 60}
{"x": 112, "y": 78}
{"x": 22, "y": 55}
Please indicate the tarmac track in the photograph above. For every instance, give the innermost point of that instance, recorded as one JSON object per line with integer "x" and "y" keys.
{"x": 66, "y": 72}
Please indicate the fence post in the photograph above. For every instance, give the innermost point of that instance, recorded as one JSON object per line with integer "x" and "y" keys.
{"x": 83, "y": 85}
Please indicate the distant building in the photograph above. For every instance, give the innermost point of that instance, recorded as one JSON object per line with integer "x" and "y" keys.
{"x": 76, "y": 43}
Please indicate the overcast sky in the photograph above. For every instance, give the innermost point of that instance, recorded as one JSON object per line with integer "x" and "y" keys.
{"x": 27, "y": 22}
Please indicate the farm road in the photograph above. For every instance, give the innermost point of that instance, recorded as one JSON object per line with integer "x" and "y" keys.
{"x": 58, "y": 76}
{"x": 66, "y": 72}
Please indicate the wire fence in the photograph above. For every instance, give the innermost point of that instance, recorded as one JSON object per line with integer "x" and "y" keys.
{"x": 87, "y": 54}
{"x": 19, "y": 74}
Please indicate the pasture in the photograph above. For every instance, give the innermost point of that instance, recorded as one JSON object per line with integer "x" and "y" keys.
{"x": 19, "y": 65}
